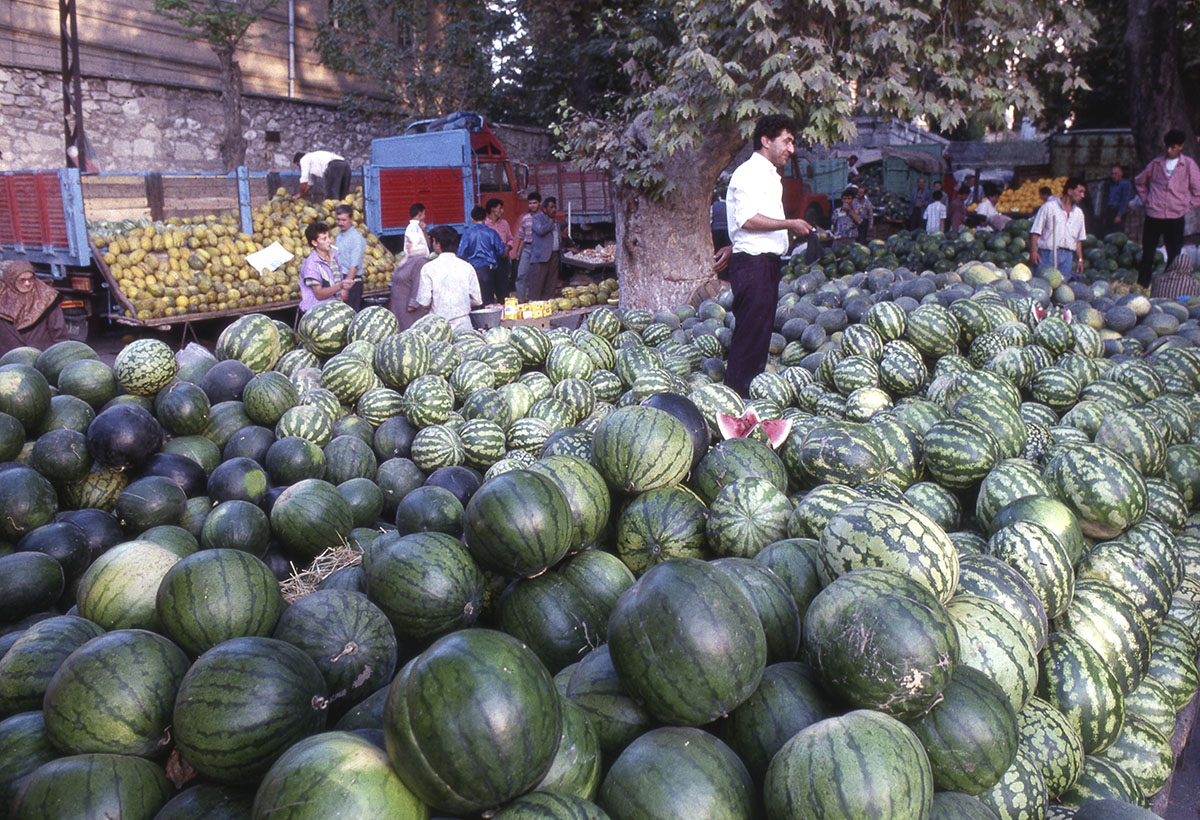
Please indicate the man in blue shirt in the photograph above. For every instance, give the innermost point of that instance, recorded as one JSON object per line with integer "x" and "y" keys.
{"x": 482, "y": 247}
{"x": 351, "y": 248}
{"x": 1117, "y": 193}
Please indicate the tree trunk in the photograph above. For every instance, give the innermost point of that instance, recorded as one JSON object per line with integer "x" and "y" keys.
{"x": 1156, "y": 99}
{"x": 233, "y": 146}
{"x": 664, "y": 247}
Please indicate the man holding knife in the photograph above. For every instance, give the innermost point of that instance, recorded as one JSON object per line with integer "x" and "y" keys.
{"x": 759, "y": 231}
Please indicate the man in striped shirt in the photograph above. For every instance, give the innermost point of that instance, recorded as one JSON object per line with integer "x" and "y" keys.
{"x": 1058, "y": 232}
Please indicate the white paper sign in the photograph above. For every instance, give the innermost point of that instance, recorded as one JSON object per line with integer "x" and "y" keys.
{"x": 271, "y": 258}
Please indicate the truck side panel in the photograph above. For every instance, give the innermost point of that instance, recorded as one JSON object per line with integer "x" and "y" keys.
{"x": 41, "y": 217}
{"x": 440, "y": 190}
{"x": 589, "y": 193}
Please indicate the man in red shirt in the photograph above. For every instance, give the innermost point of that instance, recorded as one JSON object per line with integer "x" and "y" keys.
{"x": 1170, "y": 188}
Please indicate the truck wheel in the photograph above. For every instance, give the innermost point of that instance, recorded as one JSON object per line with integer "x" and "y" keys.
{"x": 815, "y": 216}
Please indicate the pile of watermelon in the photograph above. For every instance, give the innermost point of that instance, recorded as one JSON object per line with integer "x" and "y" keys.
{"x": 943, "y": 563}
{"x": 1111, "y": 258}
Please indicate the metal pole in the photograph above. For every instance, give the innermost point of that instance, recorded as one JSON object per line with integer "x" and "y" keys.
{"x": 72, "y": 82}
{"x": 291, "y": 48}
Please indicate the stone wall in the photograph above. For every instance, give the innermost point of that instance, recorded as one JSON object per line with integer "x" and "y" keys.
{"x": 143, "y": 127}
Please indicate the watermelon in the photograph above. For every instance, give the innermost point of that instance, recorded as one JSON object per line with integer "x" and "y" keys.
{"x": 958, "y": 806}
{"x": 677, "y": 773}
{"x": 237, "y": 525}
{"x": 586, "y": 493}
{"x": 242, "y": 703}
{"x": 93, "y": 785}
{"x": 861, "y": 764}
{"x": 544, "y": 804}
{"x": 1109, "y": 621}
{"x": 510, "y": 720}
{"x": 1074, "y": 678}
{"x": 267, "y": 396}
{"x": 1048, "y": 740}
{"x": 144, "y": 366}
{"x": 323, "y": 330}
{"x": 874, "y": 533}
{"x": 959, "y": 452}
{"x": 117, "y": 591}
{"x": 774, "y": 604}
{"x": 555, "y": 618}
{"x": 715, "y": 633}
{"x": 210, "y": 800}
{"x": 1102, "y": 488}
{"x": 23, "y": 748}
{"x": 817, "y": 506}
{"x": 788, "y": 699}
{"x": 519, "y": 523}
{"x": 835, "y": 452}
{"x": 575, "y": 770}
{"x": 335, "y": 773}
{"x": 33, "y": 658}
{"x": 905, "y": 643}
{"x": 148, "y": 502}
{"x": 253, "y": 340}
{"x": 797, "y": 563}
{"x": 215, "y": 595}
{"x": 1102, "y": 779}
{"x": 1049, "y": 512}
{"x": 1041, "y": 559}
{"x": 641, "y": 448}
{"x": 593, "y": 686}
{"x": 971, "y": 735}
{"x": 737, "y": 458}
{"x": 311, "y": 516}
{"x": 994, "y": 643}
{"x": 1144, "y": 753}
{"x": 115, "y": 695}
{"x": 1020, "y": 794}
{"x": 24, "y": 394}
{"x": 426, "y": 584}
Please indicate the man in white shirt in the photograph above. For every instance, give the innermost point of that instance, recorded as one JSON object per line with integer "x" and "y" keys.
{"x": 326, "y": 167}
{"x": 1058, "y": 231}
{"x": 448, "y": 285}
{"x": 935, "y": 214}
{"x": 987, "y": 208}
{"x": 759, "y": 231}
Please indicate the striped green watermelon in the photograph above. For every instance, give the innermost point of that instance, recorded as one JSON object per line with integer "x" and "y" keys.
{"x": 709, "y": 620}
{"x": 115, "y": 694}
{"x": 641, "y": 448}
{"x": 311, "y": 516}
{"x": 835, "y": 452}
{"x": 1075, "y": 679}
{"x": 1102, "y": 780}
{"x": 1132, "y": 572}
{"x": 253, "y": 340}
{"x": 426, "y": 584}
{"x": 145, "y": 366}
{"x": 373, "y": 323}
{"x": 92, "y": 785}
{"x": 23, "y": 748}
{"x": 677, "y": 773}
{"x": 504, "y": 708}
{"x": 586, "y": 493}
{"x": 335, "y": 773}
{"x": 658, "y": 525}
{"x": 875, "y": 533}
{"x": 117, "y": 591}
{"x": 307, "y": 422}
{"x": 862, "y": 764}
{"x": 970, "y": 736}
{"x": 519, "y": 523}
{"x": 1049, "y": 741}
{"x": 959, "y": 806}
{"x": 994, "y": 642}
{"x": 1109, "y": 621}
{"x": 1152, "y": 703}
{"x": 1136, "y": 438}
{"x": 905, "y": 649}
{"x": 347, "y": 377}
{"x": 1008, "y": 481}
{"x": 242, "y": 703}
{"x": 726, "y": 461}
{"x": 215, "y": 595}
{"x": 746, "y": 515}
{"x": 323, "y": 330}
{"x": 400, "y": 358}
{"x": 1021, "y": 793}
{"x": 88, "y": 379}
{"x": 267, "y": 396}
{"x": 33, "y": 658}
{"x": 555, "y": 618}
{"x": 1144, "y": 753}
{"x": 1040, "y": 557}
{"x": 1103, "y": 489}
{"x": 959, "y": 452}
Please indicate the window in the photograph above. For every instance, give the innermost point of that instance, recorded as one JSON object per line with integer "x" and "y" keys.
{"x": 493, "y": 177}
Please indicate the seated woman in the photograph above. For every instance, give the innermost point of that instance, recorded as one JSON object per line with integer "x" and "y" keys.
{"x": 29, "y": 311}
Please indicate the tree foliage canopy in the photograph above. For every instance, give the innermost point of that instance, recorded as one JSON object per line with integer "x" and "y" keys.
{"x": 826, "y": 61}
{"x": 220, "y": 23}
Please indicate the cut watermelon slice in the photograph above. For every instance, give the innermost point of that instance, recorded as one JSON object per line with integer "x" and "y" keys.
{"x": 777, "y": 431}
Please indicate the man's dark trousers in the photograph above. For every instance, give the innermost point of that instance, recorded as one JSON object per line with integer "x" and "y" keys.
{"x": 1170, "y": 231}
{"x": 754, "y": 279}
{"x": 488, "y": 286}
